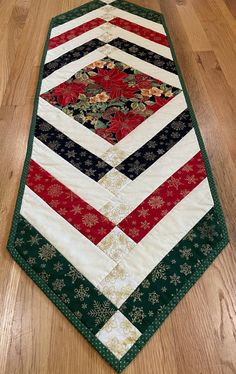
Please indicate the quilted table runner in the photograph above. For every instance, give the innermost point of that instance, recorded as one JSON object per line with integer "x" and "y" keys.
{"x": 117, "y": 214}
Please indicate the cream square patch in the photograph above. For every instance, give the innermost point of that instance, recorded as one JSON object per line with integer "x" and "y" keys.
{"x": 114, "y": 156}
{"x": 114, "y": 181}
{"x": 118, "y": 334}
{"x": 116, "y": 210}
{"x": 118, "y": 285}
{"x": 116, "y": 244}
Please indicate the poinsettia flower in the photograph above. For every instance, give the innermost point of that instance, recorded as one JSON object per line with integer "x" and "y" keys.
{"x": 48, "y": 96}
{"x": 122, "y": 124}
{"x": 106, "y": 78}
{"x": 143, "y": 80}
{"x": 159, "y": 102}
{"x": 68, "y": 92}
{"x": 105, "y": 135}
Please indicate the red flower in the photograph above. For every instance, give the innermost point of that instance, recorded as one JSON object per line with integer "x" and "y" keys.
{"x": 67, "y": 93}
{"x": 48, "y": 96}
{"x": 159, "y": 102}
{"x": 143, "y": 80}
{"x": 106, "y": 78}
{"x": 105, "y": 135}
{"x": 122, "y": 124}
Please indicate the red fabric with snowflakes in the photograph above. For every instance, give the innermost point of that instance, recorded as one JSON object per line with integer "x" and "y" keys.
{"x": 142, "y": 31}
{"x": 67, "y": 204}
{"x": 143, "y": 218}
{"x": 73, "y": 33}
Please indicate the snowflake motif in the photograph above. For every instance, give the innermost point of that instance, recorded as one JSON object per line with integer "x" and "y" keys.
{"x": 153, "y": 297}
{"x": 81, "y": 292}
{"x": 145, "y": 283}
{"x": 160, "y": 272}
{"x": 90, "y": 219}
{"x": 155, "y": 202}
{"x": 185, "y": 269}
{"x": 137, "y": 314}
{"x": 74, "y": 274}
{"x": 174, "y": 279}
{"x": 55, "y": 190}
{"x": 58, "y": 266}
{"x": 208, "y": 232}
{"x": 65, "y": 299}
{"x": 174, "y": 182}
{"x": 206, "y": 249}
{"x": 34, "y": 240}
{"x": 58, "y": 284}
{"x": 190, "y": 236}
{"x": 47, "y": 252}
{"x": 186, "y": 253}
{"x": 78, "y": 314}
{"x": 136, "y": 295}
{"x": 19, "y": 242}
{"x": 101, "y": 311}
{"x": 143, "y": 212}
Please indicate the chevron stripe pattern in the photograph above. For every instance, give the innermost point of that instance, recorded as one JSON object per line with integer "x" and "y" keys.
{"x": 118, "y": 214}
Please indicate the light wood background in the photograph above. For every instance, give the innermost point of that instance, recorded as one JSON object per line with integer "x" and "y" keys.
{"x": 199, "y": 337}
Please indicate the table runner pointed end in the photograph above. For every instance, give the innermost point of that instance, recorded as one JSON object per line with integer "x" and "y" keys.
{"x": 117, "y": 214}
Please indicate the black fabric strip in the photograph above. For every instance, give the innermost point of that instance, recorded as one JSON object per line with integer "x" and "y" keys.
{"x": 145, "y": 55}
{"x": 70, "y": 56}
{"x": 161, "y": 143}
{"x": 79, "y": 157}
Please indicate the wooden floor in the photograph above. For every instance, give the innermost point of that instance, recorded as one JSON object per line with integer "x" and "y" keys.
{"x": 199, "y": 337}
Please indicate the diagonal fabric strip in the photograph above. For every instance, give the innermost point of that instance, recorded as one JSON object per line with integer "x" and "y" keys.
{"x": 117, "y": 214}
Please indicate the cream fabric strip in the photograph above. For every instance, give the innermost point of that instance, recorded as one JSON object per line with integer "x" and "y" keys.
{"x": 85, "y": 256}
{"x": 65, "y": 72}
{"x": 147, "y": 68}
{"x": 71, "y": 177}
{"x": 72, "y": 128}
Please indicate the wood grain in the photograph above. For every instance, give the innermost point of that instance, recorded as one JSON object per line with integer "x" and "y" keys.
{"x": 199, "y": 336}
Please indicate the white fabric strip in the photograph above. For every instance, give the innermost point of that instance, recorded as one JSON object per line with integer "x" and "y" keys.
{"x": 85, "y": 256}
{"x": 131, "y": 37}
{"x": 139, "y": 189}
{"x": 136, "y": 19}
{"x": 72, "y": 128}
{"x": 66, "y": 71}
{"x": 147, "y": 68}
{"x": 97, "y": 13}
{"x": 161, "y": 170}
{"x": 71, "y": 177}
{"x": 150, "y": 127}
{"x": 56, "y": 52}
{"x": 158, "y": 242}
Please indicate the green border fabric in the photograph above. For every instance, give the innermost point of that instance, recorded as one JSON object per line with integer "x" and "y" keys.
{"x": 118, "y": 365}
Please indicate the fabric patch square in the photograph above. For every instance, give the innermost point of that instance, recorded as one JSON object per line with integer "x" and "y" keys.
{"x": 118, "y": 334}
{"x": 114, "y": 181}
{"x": 116, "y": 244}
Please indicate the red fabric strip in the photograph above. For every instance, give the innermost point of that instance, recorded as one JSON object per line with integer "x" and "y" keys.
{"x": 71, "y": 34}
{"x": 143, "y": 218}
{"x": 72, "y": 208}
{"x": 140, "y": 30}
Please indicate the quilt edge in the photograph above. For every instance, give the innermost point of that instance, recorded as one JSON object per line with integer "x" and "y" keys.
{"x": 118, "y": 365}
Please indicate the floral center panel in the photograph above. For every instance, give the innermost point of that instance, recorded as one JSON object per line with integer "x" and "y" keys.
{"x": 110, "y": 98}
